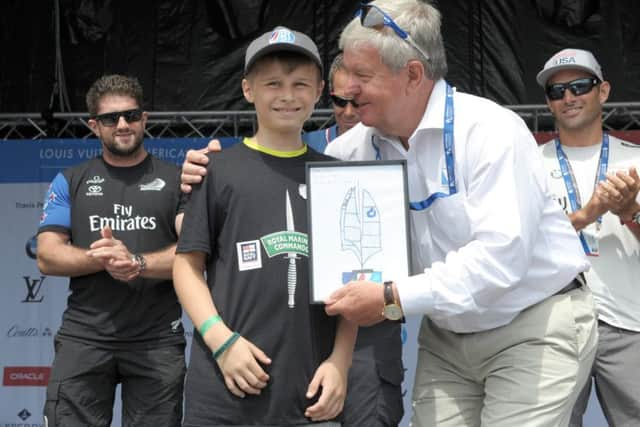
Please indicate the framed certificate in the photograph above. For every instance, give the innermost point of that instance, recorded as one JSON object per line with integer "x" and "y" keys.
{"x": 358, "y": 223}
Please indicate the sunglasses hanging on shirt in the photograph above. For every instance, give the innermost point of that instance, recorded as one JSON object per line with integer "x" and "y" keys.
{"x": 577, "y": 87}
{"x": 111, "y": 119}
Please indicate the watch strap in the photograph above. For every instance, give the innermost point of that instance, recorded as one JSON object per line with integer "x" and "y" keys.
{"x": 388, "y": 293}
{"x": 142, "y": 262}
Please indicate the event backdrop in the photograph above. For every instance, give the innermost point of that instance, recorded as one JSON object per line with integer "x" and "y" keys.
{"x": 188, "y": 54}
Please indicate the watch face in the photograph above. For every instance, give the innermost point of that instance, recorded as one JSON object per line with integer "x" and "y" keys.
{"x": 392, "y": 312}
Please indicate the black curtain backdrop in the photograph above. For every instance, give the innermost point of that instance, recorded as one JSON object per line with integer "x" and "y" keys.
{"x": 189, "y": 54}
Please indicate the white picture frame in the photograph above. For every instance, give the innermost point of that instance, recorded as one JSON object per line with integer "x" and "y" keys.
{"x": 358, "y": 223}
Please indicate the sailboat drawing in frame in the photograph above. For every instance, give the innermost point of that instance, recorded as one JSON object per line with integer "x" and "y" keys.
{"x": 360, "y": 233}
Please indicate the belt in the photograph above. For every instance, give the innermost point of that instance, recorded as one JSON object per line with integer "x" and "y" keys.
{"x": 578, "y": 282}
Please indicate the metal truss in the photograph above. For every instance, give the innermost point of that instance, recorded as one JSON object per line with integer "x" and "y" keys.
{"x": 209, "y": 124}
{"x": 619, "y": 116}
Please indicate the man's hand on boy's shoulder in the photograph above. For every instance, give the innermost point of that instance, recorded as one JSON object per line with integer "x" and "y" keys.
{"x": 195, "y": 165}
{"x": 331, "y": 381}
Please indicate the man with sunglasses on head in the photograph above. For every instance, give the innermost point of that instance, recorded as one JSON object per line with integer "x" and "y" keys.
{"x": 508, "y": 334}
{"x": 344, "y": 109}
{"x": 593, "y": 176}
{"x": 111, "y": 225}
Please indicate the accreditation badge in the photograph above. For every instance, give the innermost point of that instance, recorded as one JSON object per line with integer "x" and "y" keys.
{"x": 592, "y": 239}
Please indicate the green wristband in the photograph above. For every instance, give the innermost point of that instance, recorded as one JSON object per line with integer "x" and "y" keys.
{"x": 226, "y": 345}
{"x": 207, "y": 324}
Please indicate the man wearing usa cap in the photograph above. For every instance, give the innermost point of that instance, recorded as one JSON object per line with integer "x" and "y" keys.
{"x": 593, "y": 176}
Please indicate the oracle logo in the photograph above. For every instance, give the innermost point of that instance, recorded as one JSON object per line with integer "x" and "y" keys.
{"x": 34, "y": 376}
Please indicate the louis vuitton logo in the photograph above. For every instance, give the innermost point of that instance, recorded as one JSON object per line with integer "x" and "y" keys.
{"x": 33, "y": 289}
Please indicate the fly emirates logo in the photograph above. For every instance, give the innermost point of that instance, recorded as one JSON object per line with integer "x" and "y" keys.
{"x": 123, "y": 219}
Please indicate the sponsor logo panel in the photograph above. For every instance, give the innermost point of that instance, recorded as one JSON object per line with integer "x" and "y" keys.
{"x": 24, "y": 418}
{"x": 26, "y": 376}
{"x": 34, "y": 289}
{"x": 17, "y": 330}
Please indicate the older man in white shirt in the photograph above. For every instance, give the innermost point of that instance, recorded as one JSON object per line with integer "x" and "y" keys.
{"x": 509, "y": 330}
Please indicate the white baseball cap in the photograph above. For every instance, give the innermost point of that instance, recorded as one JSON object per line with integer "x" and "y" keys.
{"x": 569, "y": 59}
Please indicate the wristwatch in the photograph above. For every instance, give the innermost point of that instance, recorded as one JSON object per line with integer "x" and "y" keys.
{"x": 391, "y": 309}
{"x": 633, "y": 222}
{"x": 142, "y": 262}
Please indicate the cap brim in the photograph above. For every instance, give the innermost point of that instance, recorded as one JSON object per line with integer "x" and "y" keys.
{"x": 544, "y": 75}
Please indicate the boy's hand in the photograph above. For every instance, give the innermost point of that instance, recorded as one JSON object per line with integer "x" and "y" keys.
{"x": 194, "y": 166}
{"x": 241, "y": 370}
{"x": 333, "y": 380}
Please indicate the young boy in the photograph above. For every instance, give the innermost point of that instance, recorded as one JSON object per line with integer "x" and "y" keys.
{"x": 277, "y": 360}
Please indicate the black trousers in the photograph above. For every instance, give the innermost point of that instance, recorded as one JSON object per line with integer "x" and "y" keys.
{"x": 374, "y": 392}
{"x": 83, "y": 381}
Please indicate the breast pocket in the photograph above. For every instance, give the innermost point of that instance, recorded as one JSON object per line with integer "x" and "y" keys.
{"x": 448, "y": 223}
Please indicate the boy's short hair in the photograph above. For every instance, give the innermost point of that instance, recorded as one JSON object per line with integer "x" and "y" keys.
{"x": 113, "y": 84}
{"x": 290, "y": 47}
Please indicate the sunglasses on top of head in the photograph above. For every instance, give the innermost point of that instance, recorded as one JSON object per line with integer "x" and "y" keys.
{"x": 577, "y": 87}
{"x": 342, "y": 102}
{"x": 111, "y": 119}
{"x": 372, "y": 16}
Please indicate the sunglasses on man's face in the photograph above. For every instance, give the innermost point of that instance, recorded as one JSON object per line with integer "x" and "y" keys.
{"x": 111, "y": 119}
{"x": 577, "y": 87}
{"x": 342, "y": 102}
{"x": 372, "y": 16}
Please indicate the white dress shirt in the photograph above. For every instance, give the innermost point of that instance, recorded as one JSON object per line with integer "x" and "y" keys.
{"x": 501, "y": 243}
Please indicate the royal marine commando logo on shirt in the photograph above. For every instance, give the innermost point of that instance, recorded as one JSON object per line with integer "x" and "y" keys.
{"x": 285, "y": 242}
{"x": 289, "y": 243}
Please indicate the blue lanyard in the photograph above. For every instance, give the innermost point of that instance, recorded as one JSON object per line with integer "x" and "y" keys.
{"x": 573, "y": 193}
{"x": 449, "y": 156}
{"x": 331, "y": 133}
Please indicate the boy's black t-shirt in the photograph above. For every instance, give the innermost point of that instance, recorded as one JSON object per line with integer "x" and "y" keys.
{"x": 238, "y": 216}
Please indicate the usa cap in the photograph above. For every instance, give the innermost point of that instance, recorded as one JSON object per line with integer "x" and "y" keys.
{"x": 569, "y": 59}
{"x": 281, "y": 39}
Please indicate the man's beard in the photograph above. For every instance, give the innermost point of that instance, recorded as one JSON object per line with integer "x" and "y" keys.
{"x": 117, "y": 150}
